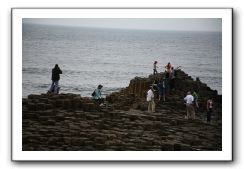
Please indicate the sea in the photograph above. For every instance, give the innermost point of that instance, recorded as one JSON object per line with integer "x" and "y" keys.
{"x": 112, "y": 57}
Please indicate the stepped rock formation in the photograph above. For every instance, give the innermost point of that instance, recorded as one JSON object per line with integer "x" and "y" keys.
{"x": 69, "y": 122}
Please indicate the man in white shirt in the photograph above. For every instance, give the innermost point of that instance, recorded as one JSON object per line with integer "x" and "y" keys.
{"x": 189, "y": 106}
{"x": 150, "y": 99}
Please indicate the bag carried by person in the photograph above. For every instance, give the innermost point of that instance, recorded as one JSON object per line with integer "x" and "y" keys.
{"x": 94, "y": 93}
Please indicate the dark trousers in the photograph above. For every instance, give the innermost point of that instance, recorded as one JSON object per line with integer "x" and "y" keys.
{"x": 155, "y": 71}
{"x": 209, "y": 114}
{"x": 167, "y": 85}
{"x": 100, "y": 100}
{"x": 54, "y": 87}
{"x": 172, "y": 83}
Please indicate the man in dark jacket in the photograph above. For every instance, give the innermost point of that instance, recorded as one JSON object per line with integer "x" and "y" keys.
{"x": 55, "y": 79}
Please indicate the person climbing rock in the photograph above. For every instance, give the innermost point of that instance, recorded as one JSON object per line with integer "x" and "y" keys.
{"x": 161, "y": 89}
{"x": 190, "y": 112}
{"x": 56, "y": 71}
{"x": 150, "y": 100}
{"x": 97, "y": 94}
{"x": 155, "y": 68}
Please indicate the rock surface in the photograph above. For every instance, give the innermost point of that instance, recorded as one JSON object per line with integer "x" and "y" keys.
{"x": 68, "y": 122}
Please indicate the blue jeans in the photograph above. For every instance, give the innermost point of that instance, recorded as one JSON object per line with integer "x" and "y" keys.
{"x": 54, "y": 87}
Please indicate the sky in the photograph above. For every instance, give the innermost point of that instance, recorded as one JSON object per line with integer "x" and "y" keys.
{"x": 173, "y": 24}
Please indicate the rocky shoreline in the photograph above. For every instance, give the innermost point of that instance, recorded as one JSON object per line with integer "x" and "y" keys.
{"x": 69, "y": 122}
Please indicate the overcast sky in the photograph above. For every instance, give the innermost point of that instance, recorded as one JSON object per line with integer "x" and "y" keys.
{"x": 178, "y": 24}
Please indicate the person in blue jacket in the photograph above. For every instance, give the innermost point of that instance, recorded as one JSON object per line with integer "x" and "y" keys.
{"x": 97, "y": 94}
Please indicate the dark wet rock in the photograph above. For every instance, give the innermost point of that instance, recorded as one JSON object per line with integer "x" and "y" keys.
{"x": 68, "y": 122}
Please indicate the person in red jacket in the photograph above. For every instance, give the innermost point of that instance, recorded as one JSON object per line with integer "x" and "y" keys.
{"x": 168, "y": 68}
{"x": 209, "y": 110}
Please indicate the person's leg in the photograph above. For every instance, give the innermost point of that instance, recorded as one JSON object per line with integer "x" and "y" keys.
{"x": 172, "y": 83}
{"x": 164, "y": 94}
{"x": 56, "y": 87}
{"x": 51, "y": 89}
{"x": 97, "y": 101}
{"x": 186, "y": 116}
{"x": 153, "y": 106}
{"x": 197, "y": 103}
{"x": 187, "y": 111}
{"x": 149, "y": 106}
{"x": 169, "y": 84}
{"x": 193, "y": 112}
{"x": 208, "y": 116}
{"x": 166, "y": 86}
{"x": 101, "y": 100}
{"x": 190, "y": 111}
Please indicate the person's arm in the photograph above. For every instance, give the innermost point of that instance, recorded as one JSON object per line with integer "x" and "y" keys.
{"x": 185, "y": 98}
{"x": 60, "y": 71}
{"x": 152, "y": 95}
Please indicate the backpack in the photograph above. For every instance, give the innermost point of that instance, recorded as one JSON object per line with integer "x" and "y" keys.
{"x": 94, "y": 93}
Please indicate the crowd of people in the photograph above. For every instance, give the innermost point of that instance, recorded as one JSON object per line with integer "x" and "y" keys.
{"x": 161, "y": 86}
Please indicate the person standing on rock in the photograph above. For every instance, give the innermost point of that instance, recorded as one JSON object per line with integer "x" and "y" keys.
{"x": 97, "y": 94}
{"x": 161, "y": 89}
{"x": 168, "y": 68}
{"x": 172, "y": 79}
{"x": 190, "y": 112}
{"x": 56, "y": 71}
{"x": 209, "y": 110}
{"x": 150, "y": 100}
{"x": 195, "y": 95}
{"x": 155, "y": 68}
{"x": 168, "y": 77}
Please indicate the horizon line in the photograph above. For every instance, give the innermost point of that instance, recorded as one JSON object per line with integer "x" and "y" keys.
{"x": 90, "y": 27}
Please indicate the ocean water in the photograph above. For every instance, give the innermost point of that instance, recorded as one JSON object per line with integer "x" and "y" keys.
{"x": 112, "y": 57}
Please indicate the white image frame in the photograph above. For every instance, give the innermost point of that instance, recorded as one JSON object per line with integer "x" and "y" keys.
{"x": 18, "y": 155}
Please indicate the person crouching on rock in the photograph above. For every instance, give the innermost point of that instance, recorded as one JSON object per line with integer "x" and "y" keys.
{"x": 55, "y": 79}
{"x": 150, "y": 100}
{"x": 97, "y": 95}
{"x": 190, "y": 112}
